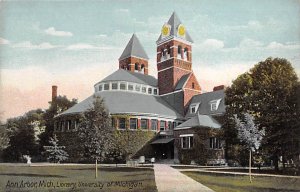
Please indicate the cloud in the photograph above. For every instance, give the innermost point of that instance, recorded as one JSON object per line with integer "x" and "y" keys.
{"x": 250, "y": 43}
{"x": 53, "y": 32}
{"x": 213, "y": 44}
{"x": 4, "y": 41}
{"x": 29, "y": 45}
{"x": 276, "y": 45}
{"x": 83, "y": 46}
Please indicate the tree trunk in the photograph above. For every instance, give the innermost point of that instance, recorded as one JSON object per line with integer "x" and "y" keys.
{"x": 250, "y": 166}
{"x": 96, "y": 169}
{"x": 276, "y": 163}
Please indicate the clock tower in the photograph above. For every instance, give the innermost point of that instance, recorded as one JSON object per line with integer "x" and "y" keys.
{"x": 174, "y": 61}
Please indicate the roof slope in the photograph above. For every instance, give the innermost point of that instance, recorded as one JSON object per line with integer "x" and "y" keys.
{"x": 204, "y": 99}
{"x": 134, "y": 48}
{"x": 127, "y": 102}
{"x": 174, "y": 22}
{"x": 182, "y": 81}
{"x": 200, "y": 121}
{"x": 123, "y": 75}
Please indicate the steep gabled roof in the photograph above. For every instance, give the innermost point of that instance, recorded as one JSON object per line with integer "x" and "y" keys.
{"x": 200, "y": 121}
{"x": 174, "y": 22}
{"x": 134, "y": 48}
{"x": 182, "y": 81}
{"x": 123, "y": 75}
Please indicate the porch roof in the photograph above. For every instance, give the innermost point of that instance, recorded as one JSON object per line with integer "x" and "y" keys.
{"x": 162, "y": 141}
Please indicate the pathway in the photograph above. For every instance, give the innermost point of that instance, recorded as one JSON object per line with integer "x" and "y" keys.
{"x": 169, "y": 179}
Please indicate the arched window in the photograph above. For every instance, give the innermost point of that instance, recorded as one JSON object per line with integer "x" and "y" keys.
{"x": 185, "y": 55}
{"x": 143, "y": 68}
{"x": 162, "y": 58}
{"x": 179, "y": 51}
{"x": 168, "y": 51}
{"x": 136, "y": 66}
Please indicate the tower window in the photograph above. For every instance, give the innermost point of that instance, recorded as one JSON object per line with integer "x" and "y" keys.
{"x": 136, "y": 67}
{"x": 106, "y": 86}
{"x": 114, "y": 86}
{"x": 179, "y": 51}
{"x": 143, "y": 68}
{"x": 130, "y": 87}
{"x": 185, "y": 54}
{"x": 138, "y": 88}
{"x": 122, "y": 86}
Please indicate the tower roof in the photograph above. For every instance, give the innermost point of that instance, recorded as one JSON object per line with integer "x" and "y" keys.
{"x": 174, "y": 23}
{"x": 134, "y": 48}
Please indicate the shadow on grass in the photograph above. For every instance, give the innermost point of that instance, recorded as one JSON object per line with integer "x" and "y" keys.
{"x": 113, "y": 169}
{"x": 30, "y": 175}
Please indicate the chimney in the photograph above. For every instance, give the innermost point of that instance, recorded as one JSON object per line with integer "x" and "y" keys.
{"x": 220, "y": 87}
{"x": 54, "y": 92}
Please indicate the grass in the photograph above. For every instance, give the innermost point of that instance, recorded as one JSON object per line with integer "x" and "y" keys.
{"x": 238, "y": 183}
{"x": 76, "y": 178}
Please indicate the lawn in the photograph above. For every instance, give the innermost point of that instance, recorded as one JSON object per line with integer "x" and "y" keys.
{"x": 237, "y": 183}
{"x": 76, "y": 178}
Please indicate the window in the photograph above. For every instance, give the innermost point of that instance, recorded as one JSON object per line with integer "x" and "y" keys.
{"x": 114, "y": 86}
{"x": 143, "y": 68}
{"x": 100, "y": 87}
{"x": 214, "y": 143}
{"x": 133, "y": 123}
{"x": 76, "y": 122}
{"x": 122, "y": 123}
{"x": 155, "y": 91}
{"x": 187, "y": 141}
{"x": 62, "y": 127}
{"x": 144, "y": 123}
{"x": 138, "y": 88}
{"x": 113, "y": 123}
{"x": 193, "y": 109}
{"x": 153, "y": 124}
{"x": 130, "y": 87}
{"x": 144, "y": 89}
{"x": 174, "y": 124}
{"x": 185, "y": 53}
{"x": 68, "y": 124}
{"x": 170, "y": 125}
{"x": 179, "y": 51}
{"x": 214, "y": 104}
{"x": 123, "y": 86}
{"x": 193, "y": 85}
{"x": 149, "y": 90}
{"x": 106, "y": 86}
{"x": 136, "y": 67}
{"x": 162, "y": 125}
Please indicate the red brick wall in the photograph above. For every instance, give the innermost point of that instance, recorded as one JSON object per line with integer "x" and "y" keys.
{"x": 132, "y": 60}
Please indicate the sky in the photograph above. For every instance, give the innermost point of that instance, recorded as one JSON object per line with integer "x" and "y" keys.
{"x": 74, "y": 44}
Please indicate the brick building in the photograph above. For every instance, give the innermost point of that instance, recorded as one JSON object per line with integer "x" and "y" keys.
{"x": 172, "y": 106}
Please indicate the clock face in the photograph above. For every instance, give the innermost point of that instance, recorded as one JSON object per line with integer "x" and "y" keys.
{"x": 181, "y": 30}
{"x": 165, "y": 31}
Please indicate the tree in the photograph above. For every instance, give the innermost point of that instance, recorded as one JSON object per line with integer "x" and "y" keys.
{"x": 4, "y": 139}
{"x": 55, "y": 152}
{"x": 22, "y": 136}
{"x": 249, "y": 133}
{"x": 95, "y": 131}
{"x": 268, "y": 92}
{"x": 58, "y": 105}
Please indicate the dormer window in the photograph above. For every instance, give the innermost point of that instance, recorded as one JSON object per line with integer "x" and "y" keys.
{"x": 214, "y": 104}
{"x": 100, "y": 87}
{"x": 149, "y": 90}
{"x": 144, "y": 89}
{"x": 138, "y": 88}
{"x": 194, "y": 108}
{"x": 155, "y": 91}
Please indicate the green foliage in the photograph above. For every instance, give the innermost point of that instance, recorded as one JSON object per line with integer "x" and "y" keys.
{"x": 22, "y": 135}
{"x": 55, "y": 152}
{"x": 95, "y": 131}
{"x": 268, "y": 92}
{"x": 59, "y": 104}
